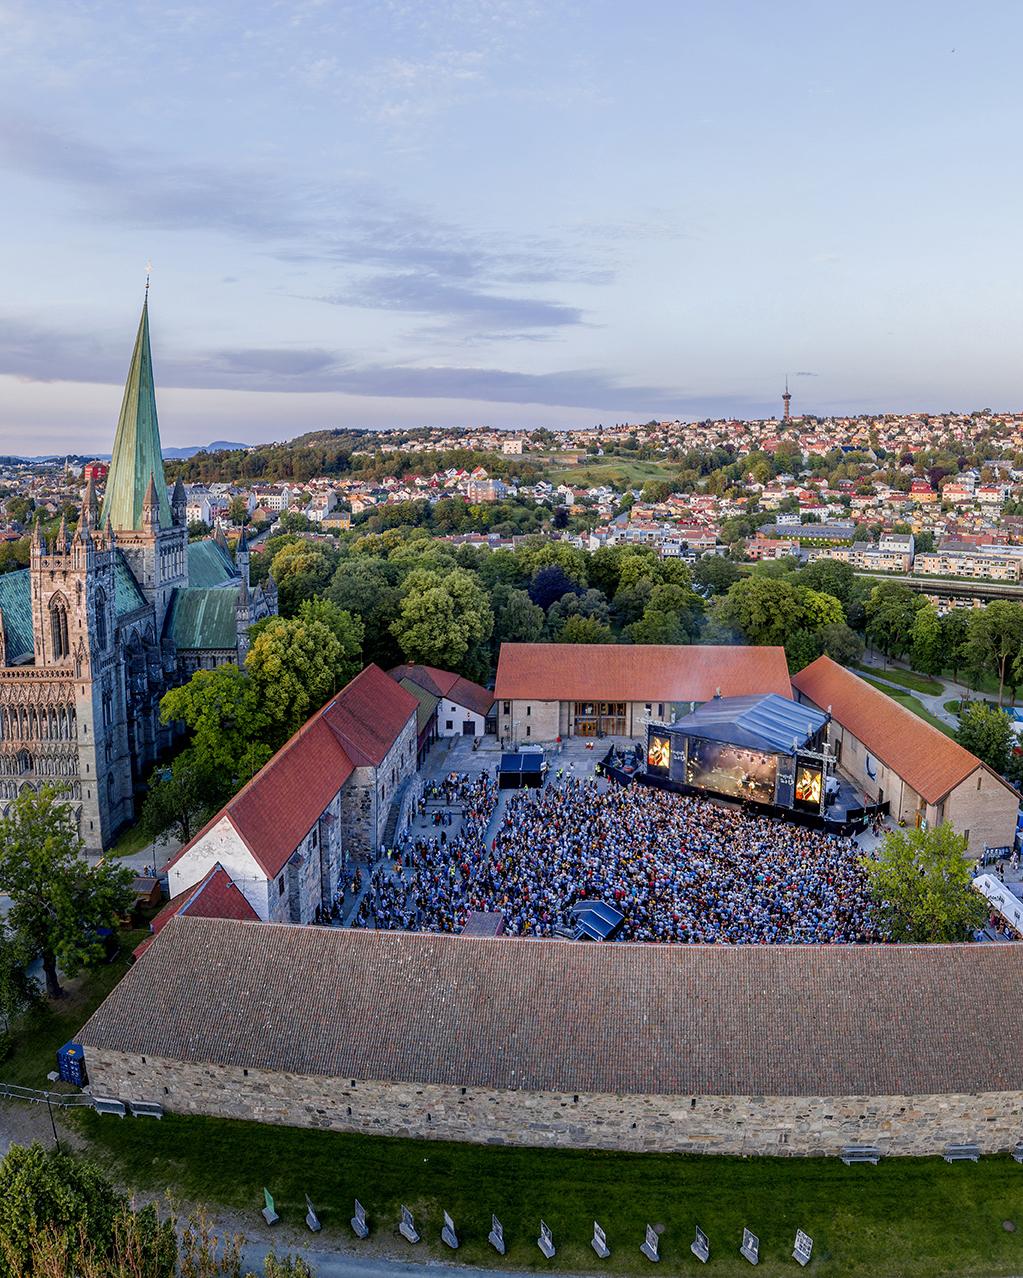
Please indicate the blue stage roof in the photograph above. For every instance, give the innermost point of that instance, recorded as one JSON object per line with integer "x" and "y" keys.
{"x": 769, "y": 722}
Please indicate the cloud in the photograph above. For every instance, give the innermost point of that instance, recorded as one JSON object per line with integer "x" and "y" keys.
{"x": 806, "y": 374}
{"x": 431, "y": 295}
{"x": 36, "y": 354}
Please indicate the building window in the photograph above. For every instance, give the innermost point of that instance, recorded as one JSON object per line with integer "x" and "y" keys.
{"x": 58, "y": 629}
{"x": 529, "y": 710}
{"x": 449, "y": 725}
{"x": 101, "y": 620}
{"x": 527, "y": 732}
{"x": 280, "y": 886}
{"x": 507, "y": 707}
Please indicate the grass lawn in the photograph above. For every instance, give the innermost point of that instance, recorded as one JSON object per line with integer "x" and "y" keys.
{"x": 38, "y": 1035}
{"x": 906, "y": 679}
{"x": 906, "y": 1217}
{"x": 615, "y": 471}
{"x": 911, "y": 703}
{"x": 131, "y": 840}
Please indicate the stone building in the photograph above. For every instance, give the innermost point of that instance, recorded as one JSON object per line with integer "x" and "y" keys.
{"x": 88, "y": 630}
{"x": 894, "y": 756}
{"x": 550, "y": 690}
{"x": 745, "y": 1049}
{"x": 287, "y": 838}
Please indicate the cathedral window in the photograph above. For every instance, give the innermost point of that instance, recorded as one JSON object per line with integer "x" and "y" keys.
{"x": 58, "y": 629}
{"x": 101, "y": 620}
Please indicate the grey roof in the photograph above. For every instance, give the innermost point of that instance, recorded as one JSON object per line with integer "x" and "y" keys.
{"x": 127, "y": 592}
{"x": 209, "y": 564}
{"x": 769, "y": 722}
{"x": 689, "y": 1020}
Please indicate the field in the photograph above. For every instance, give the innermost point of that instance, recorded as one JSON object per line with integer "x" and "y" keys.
{"x": 908, "y": 1217}
{"x": 911, "y": 703}
{"x": 592, "y": 472}
{"x": 905, "y": 678}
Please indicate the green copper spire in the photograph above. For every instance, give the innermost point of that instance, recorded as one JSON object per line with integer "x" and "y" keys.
{"x": 137, "y": 454}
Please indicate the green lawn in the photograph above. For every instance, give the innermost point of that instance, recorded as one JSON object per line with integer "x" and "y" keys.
{"x": 906, "y": 679}
{"x": 907, "y": 1217}
{"x": 616, "y": 471}
{"x": 38, "y": 1035}
{"x": 130, "y": 841}
{"x": 911, "y": 703}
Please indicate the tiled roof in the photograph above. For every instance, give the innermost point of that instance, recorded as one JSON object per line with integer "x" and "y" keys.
{"x": 209, "y": 564}
{"x": 442, "y": 683}
{"x": 217, "y": 896}
{"x": 428, "y": 703}
{"x": 637, "y": 672}
{"x": 509, "y": 1013}
{"x": 203, "y": 618}
{"x": 16, "y": 606}
{"x": 926, "y": 759}
{"x": 277, "y": 808}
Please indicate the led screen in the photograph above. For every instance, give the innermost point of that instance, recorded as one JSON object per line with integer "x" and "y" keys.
{"x": 731, "y": 770}
{"x": 809, "y": 781}
{"x": 658, "y": 757}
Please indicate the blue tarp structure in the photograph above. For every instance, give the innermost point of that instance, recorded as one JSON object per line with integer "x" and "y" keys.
{"x": 519, "y": 770}
{"x": 769, "y": 723}
{"x": 597, "y": 921}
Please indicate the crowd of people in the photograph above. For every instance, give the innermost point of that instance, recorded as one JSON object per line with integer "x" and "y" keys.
{"x": 679, "y": 868}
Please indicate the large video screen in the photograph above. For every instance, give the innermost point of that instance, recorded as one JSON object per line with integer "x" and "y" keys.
{"x": 731, "y": 770}
{"x": 809, "y": 785}
{"x": 658, "y": 756}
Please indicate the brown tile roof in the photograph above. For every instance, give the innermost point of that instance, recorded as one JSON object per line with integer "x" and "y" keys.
{"x": 926, "y": 759}
{"x": 277, "y": 808}
{"x": 217, "y": 896}
{"x": 503, "y": 1012}
{"x": 442, "y": 683}
{"x": 640, "y": 672}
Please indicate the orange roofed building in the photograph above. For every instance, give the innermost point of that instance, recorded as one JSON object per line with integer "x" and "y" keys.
{"x": 550, "y": 690}
{"x": 895, "y": 756}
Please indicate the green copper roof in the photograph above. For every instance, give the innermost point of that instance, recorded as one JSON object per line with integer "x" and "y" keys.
{"x": 428, "y": 703}
{"x": 209, "y": 564}
{"x": 127, "y": 593}
{"x": 137, "y": 454}
{"x": 16, "y": 605}
{"x": 203, "y": 619}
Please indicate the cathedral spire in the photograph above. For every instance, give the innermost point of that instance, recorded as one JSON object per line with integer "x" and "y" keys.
{"x": 137, "y": 455}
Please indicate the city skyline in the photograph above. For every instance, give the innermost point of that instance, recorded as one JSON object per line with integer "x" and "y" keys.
{"x": 480, "y": 212}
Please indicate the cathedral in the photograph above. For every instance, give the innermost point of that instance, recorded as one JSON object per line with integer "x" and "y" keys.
{"x": 105, "y": 620}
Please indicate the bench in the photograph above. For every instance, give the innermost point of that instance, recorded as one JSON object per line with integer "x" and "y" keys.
{"x": 107, "y": 1105}
{"x": 1017, "y": 1153}
{"x": 860, "y": 1154}
{"x": 961, "y": 1153}
{"x": 145, "y": 1109}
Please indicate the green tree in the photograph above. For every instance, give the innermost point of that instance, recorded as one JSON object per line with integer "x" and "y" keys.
{"x": 986, "y": 732}
{"x": 840, "y": 643}
{"x": 921, "y": 884}
{"x": 994, "y": 640}
{"x": 584, "y": 630}
{"x": 954, "y": 631}
{"x": 238, "y": 510}
{"x": 347, "y": 629}
{"x": 890, "y": 610}
{"x": 228, "y": 721}
{"x": 18, "y": 990}
{"x": 442, "y": 618}
{"x": 367, "y": 587}
{"x": 59, "y": 901}
{"x": 716, "y": 574}
{"x": 760, "y": 609}
{"x": 516, "y": 619}
{"x": 927, "y": 651}
{"x": 294, "y": 666}
{"x": 179, "y": 799}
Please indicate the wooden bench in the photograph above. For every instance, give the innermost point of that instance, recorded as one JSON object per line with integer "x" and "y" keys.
{"x": 107, "y": 1105}
{"x": 145, "y": 1109}
{"x": 961, "y": 1153}
{"x": 860, "y": 1154}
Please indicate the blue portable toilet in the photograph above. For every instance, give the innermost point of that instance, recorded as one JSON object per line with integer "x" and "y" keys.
{"x": 71, "y": 1064}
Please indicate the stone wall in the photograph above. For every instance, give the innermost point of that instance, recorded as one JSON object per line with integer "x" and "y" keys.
{"x": 530, "y": 722}
{"x": 366, "y": 795}
{"x": 984, "y": 810}
{"x": 692, "y": 1124}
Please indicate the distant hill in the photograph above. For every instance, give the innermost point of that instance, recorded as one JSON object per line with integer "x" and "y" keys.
{"x": 218, "y": 446}
{"x": 171, "y": 454}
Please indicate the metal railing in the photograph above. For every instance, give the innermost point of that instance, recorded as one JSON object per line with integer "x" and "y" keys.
{"x": 61, "y": 1100}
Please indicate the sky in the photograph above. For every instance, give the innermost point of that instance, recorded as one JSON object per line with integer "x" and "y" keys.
{"x": 372, "y": 213}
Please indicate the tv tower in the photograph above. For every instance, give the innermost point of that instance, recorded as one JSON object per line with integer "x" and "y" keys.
{"x": 786, "y": 399}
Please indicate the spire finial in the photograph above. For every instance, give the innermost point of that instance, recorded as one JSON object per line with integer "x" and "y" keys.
{"x": 149, "y": 271}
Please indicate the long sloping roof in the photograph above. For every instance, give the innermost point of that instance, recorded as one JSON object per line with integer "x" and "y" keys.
{"x": 637, "y": 672}
{"x": 209, "y": 564}
{"x": 759, "y": 723}
{"x": 203, "y": 618}
{"x": 137, "y": 455}
{"x": 689, "y": 1020}
{"x": 443, "y": 683}
{"x": 16, "y": 606}
{"x": 217, "y": 896}
{"x": 926, "y": 759}
{"x": 127, "y": 592}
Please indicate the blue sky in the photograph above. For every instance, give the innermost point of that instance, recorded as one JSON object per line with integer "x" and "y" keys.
{"x": 417, "y": 212}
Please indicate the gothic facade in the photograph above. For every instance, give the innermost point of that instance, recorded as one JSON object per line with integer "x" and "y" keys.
{"x": 106, "y": 619}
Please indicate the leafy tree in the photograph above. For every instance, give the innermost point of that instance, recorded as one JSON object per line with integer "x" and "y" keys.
{"x": 584, "y": 630}
{"x": 442, "y": 618}
{"x": 761, "y": 610}
{"x": 301, "y": 571}
{"x": 295, "y": 667}
{"x": 198, "y": 529}
{"x": 229, "y": 723}
{"x": 17, "y": 988}
{"x": 658, "y": 626}
{"x": 589, "y": 603}
{"x": 179, "y": 799}
{"x": 986, "y": 732}
{"x": 716, "y": 574}
{"x": 890, "y": 610}
{"x": 517, "y": 619}
{"x": 59, "y": 901}
{"x": 923, "y": 543}
{"x": 238, "y": 510}
{"x": 921, "y": 884}
{"x": 832, "y": 577}
{"x": 927, "y": 651}
{"x": 549, "y": 584}
{"x": 366, "y": 586}
{"x": 994, "y": 640}
{"x": 346, "y": 629}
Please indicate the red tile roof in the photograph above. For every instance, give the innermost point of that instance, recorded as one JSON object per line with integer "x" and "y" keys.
{"x": 637, "y": 672}
{"x": 442, "y": 683}
{"x": 216, "y": 897}
{"x": 277, "y": 808}
{"x": 926, "y": 759}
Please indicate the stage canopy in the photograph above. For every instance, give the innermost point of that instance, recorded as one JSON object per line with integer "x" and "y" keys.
{"x": 518, "y": 770}
{"x": 768, "y": 723}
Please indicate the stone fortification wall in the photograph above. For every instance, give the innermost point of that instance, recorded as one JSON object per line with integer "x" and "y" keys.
{"x": 701, "y": 1124}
